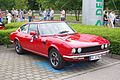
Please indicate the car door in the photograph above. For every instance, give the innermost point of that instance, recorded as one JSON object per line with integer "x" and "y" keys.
{"x": 32, "y": 39}
{"x": 23, "y": 35}
{"x": 40, "y": 42}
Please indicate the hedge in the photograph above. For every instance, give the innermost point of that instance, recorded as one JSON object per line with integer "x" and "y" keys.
{"x": 112, "y": 34}
{"x": 4, "y": 36}
{"x": 13, "y": 25}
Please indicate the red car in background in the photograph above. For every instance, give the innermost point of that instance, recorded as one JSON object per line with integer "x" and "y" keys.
{"x": 59, "y": 42}
{"x": 1, "y": 26}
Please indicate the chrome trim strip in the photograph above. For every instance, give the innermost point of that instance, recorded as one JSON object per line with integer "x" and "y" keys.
{"x": 86, "y": 55}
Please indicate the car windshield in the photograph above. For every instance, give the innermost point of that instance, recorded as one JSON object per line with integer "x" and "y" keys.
{"x": 55, "y": 28}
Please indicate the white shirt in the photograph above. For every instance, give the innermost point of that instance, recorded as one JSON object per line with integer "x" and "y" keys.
{"x": 9, "y": 16}
{"x": 52, "y": 13}
{"x": 44, "y": 13}
{"x": 112, "y": 16}
{"x": 63, "y": 13}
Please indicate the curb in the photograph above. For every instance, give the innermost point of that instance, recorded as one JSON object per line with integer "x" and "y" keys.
{"x": 114, "y": 56}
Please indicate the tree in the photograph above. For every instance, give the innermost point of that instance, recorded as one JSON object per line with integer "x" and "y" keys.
{"x": 75, "y": 5}
{"x": 112, "y": 4}
{"x": 21, "y": 4}
{"x": 7, "y": 4}
{"x": 33, "y": 5}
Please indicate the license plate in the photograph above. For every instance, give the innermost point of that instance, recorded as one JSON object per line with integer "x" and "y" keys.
{"x": 95, "y": 57}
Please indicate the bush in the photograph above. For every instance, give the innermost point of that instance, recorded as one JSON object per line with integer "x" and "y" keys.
{"x": 13, "y": 25}
{"x": 4, "y": 36}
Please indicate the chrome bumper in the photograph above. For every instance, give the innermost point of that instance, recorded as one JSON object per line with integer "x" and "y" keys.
{"x": 86, "y": 55}
{"x": 11, "y": 41}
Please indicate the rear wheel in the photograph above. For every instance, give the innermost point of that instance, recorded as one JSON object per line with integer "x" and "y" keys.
{"x": 18, "y": 48}
{"x": 56, "y": 59}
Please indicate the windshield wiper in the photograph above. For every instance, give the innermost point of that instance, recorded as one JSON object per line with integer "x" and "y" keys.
{"x": 63, "y": 32}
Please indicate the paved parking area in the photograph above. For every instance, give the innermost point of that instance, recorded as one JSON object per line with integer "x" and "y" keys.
{"x": 34, "y": 67}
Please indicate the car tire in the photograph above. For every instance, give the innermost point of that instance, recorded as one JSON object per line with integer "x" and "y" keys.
{"x": 56, "y": 59}
{"x": 18, "y": 48}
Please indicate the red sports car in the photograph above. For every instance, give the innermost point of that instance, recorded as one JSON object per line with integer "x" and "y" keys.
{"x": 59, "y": 42}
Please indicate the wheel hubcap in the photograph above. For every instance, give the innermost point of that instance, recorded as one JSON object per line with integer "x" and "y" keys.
{"x": 54, "y": 59}
{"x": 17, "y": 47}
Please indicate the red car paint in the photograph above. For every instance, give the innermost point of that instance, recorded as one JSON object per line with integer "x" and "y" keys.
{"x": 63, "y": 43}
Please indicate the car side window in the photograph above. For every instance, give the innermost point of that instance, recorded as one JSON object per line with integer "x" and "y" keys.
{"x": 33, "y": 27}
{"x": 24, "y": 28}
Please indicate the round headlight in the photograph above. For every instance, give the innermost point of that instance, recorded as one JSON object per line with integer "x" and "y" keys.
{"x": 106, "y": 45}
{"x": 73, "y": 50}
{"x": 79, "y": 50}
{"x": 102, "y": 46}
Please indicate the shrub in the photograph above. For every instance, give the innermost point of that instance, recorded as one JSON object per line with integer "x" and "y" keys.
{"x": 13, "y": 25}
{"x": 4, "y": 36}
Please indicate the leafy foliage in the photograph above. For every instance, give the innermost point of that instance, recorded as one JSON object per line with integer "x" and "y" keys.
{"x": 13, "y": 25}
{"x": 113, "y": 4}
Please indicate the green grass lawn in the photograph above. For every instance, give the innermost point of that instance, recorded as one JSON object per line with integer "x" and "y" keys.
{"x": 69, "y": 18}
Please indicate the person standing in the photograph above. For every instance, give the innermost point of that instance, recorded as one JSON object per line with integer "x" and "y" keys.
{"x": 51, "y": 14}
{"x": 112, "y": 18}
{"x": 25, "y": 14}
{"x": 45, "y": 15}
{"x": 21, "y": 15}
{"x": 9, "y": 17}
{"x": 29, "y": 15}
{"x": 105, "y": 19}
{"x": 13, "y": 14}
{"x": 0, "y": 16}
{"x": 62, "y": 15}
{"x": 16, "y": 14}
{"x": 48, "y": 14}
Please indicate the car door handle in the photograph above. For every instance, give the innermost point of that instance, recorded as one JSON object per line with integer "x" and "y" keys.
{"x": 26, "y": 36}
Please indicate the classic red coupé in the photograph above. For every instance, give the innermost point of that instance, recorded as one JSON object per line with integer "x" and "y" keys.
{"x": 59, "y": 42}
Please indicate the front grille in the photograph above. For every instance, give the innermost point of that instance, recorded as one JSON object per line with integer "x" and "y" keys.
{"x": 91, "y": 49}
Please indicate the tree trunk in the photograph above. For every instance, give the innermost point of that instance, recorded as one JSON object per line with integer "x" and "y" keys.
{"x": 77, "y": 13}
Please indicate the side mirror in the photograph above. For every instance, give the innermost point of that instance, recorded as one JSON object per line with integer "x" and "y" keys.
{"x": 33, "y": 33}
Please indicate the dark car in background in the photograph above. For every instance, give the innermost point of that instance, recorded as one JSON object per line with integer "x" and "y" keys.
{"x": 117, "y": 21}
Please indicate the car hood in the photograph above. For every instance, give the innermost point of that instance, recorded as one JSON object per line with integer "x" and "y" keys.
{"x": 82, "y": 40}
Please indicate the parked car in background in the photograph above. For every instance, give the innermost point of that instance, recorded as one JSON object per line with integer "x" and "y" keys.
{"x": 117, "y": 21}
{"x": 57, "y": 41}
{"x": 1, "y": 26}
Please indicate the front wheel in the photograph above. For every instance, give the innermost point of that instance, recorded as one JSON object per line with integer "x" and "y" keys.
{"x": 18, "y": 48}
{"x": 56, "y": 59}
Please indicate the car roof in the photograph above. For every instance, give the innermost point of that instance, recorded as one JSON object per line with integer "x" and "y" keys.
{"x": 45, "y": 22}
